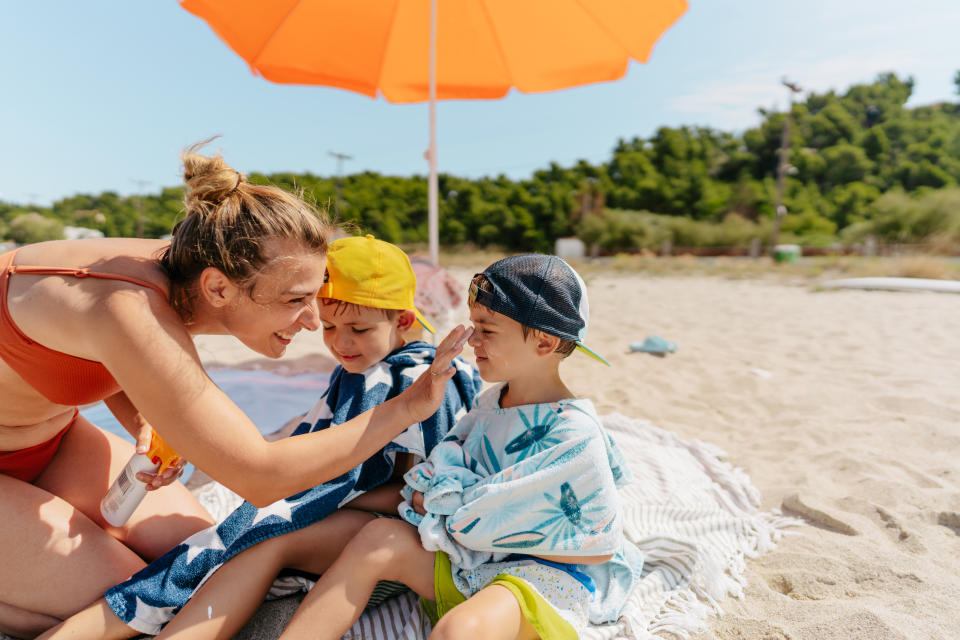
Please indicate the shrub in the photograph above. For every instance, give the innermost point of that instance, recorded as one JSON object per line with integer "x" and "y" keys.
{"x": 33, "y": 227}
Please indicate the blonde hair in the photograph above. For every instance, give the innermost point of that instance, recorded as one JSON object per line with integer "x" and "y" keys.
{"x": 342, "y": 306}
{"x": 227, "y": 221}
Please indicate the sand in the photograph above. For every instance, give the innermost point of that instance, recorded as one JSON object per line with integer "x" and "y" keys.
{"x": 841, "y": 405}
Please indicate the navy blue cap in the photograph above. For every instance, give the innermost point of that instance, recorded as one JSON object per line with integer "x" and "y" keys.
{"x": 541, "y": 292}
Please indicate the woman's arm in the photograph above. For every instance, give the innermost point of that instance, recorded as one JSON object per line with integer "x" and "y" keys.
{"x": 151, "y": 355}
{"x": 130, "y": 419}
{"x": 135, "y": 424}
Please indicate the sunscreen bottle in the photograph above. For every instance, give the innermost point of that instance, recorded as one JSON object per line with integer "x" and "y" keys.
{"x": 126, "y": 492}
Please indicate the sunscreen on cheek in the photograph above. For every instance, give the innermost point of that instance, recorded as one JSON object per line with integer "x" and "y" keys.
{"x": 126, "y": 492}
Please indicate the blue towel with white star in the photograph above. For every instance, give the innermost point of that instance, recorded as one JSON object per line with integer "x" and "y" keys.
{"x": 537, "y": 479}
{"x": 150, "y": 598}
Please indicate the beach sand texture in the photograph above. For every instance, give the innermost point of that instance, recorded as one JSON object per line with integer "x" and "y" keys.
{"x": 841, "y": 405}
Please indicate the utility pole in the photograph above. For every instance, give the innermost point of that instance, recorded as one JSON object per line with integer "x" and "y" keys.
{"x": 782, "y": 165}
{"x": 340, "y": 158}
{"x": 141, "y": 184}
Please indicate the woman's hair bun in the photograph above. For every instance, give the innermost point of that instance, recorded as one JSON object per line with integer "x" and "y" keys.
{"x": 209, "y": 179}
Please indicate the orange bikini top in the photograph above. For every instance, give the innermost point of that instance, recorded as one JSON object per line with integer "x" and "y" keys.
{"x": 60, "y": 377}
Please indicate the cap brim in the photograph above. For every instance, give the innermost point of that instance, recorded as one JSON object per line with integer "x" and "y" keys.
{"x": 593, "y": 354}
{"x": 423, "y": 321}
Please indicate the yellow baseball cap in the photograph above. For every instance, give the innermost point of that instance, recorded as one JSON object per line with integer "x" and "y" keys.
{"x": 371, "y": 273}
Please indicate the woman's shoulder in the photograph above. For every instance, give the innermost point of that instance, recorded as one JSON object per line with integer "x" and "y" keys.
{"x": 88, "y": 252}
{"x": 98, "y": 288}
{"x": 103, "y": 264}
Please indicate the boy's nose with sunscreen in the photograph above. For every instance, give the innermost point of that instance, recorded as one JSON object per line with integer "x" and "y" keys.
{"x": 463, "y": 339}
{"x": 126, "y": 492}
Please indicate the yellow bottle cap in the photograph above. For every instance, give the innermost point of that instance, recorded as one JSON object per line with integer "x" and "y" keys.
{"x": 161, "y": 452}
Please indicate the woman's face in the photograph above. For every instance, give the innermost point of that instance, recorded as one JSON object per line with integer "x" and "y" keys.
{"x": 283, "y": 301}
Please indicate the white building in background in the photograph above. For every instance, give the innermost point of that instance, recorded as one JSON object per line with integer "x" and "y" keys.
{"x": 81, "y": 233}
{"x": 569, "y": 248}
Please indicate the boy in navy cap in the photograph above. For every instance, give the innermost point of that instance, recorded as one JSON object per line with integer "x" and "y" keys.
{"x": 513, "y": 523}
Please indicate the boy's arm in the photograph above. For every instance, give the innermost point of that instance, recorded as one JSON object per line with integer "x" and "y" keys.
{"x": 384, "y": 499}
{"x": 577, "y": 559}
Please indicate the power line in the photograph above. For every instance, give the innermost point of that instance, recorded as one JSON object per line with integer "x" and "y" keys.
{"x": 341, "y": 157}
{"x": 782, "y": 166}
{"x": 141, "y": 184}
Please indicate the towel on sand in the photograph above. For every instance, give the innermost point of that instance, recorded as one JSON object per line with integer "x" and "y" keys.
{"x": 151, "y": 597}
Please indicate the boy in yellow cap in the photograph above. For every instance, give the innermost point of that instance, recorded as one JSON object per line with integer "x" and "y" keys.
{"x": 366, "y": 306}
{"x": 367, "y": 301}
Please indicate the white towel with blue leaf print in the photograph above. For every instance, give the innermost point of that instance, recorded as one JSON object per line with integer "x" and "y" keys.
{"x": 535, "y": 479}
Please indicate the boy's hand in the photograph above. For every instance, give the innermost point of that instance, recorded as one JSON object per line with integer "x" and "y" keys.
{"x": 424, "y": 396}
{"x": 417, "y": 503}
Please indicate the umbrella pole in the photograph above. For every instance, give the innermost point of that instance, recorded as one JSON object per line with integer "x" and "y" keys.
{"x": 433, "y": 187}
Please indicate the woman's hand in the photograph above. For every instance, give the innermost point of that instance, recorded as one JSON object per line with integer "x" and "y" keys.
{"x": 156, "y": 480}
{"x": 424, "y": 396}
{"x": 167, "y": 476}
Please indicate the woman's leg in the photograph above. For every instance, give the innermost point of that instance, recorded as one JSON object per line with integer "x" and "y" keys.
{"x": 384, "y": 549}
{"x": 492, "y": 613}
{"x": 88, "y": 461}
{"x": 49, "y": 547}
{"x": 54, "y": 538}
{"x": 95, "y": 622}
{"x": 227, "y": 600}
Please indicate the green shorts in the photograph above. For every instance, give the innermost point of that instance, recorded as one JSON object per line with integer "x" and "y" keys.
{"x": 540, "y": 613}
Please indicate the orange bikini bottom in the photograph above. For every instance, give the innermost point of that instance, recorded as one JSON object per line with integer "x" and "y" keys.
{"x": 27, "y": 464}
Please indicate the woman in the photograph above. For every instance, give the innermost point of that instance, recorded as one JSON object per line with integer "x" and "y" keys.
{"x": 113, "y": 320}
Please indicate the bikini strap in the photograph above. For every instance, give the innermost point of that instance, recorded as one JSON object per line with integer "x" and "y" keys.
{"x": 82, "y": 273}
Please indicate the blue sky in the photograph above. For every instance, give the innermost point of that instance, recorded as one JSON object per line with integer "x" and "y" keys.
{"x": 102, "y": 95}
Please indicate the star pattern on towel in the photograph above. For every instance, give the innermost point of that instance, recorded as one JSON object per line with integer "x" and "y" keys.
{"x": 376, "y": 374}
{"x": 416, "y": 371}
{"x": 150, "y": 614}
{"x": 206, "y": 540}
{"x": 281, "y": 509}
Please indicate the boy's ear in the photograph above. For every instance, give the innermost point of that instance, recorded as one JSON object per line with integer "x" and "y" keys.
{"x": 405, "y": 320}
{"x": 546, "y": 343}
{"x": 216, "y": 288}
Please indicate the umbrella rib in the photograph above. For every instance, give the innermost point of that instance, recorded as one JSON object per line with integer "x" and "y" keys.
{"x": 496, "y": 40}
{"x": 607, "y": 31}
{"x": 386, "y": 48}
{"x": 273, "y": 33}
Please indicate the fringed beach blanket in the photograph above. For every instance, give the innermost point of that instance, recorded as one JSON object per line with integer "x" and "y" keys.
{"x": 535, "y": 479}
{"x": 694, "y": 517}
{"x": 151, "y": 597}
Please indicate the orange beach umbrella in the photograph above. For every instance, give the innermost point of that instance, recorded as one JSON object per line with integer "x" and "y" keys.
{"x": 417, "y": 50}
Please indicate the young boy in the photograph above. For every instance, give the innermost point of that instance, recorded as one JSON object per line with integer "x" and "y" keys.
{"x": 529, "y": 470}
{"x": 366, "y": 305}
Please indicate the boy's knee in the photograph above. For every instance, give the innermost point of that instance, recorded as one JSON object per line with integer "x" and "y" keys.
{"x": 383, "y": 540}
{"x": 457, "y": 625}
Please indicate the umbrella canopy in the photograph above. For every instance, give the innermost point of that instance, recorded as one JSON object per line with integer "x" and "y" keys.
{"x": 415, "y": 50}
{"x": 484, "y": 47}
